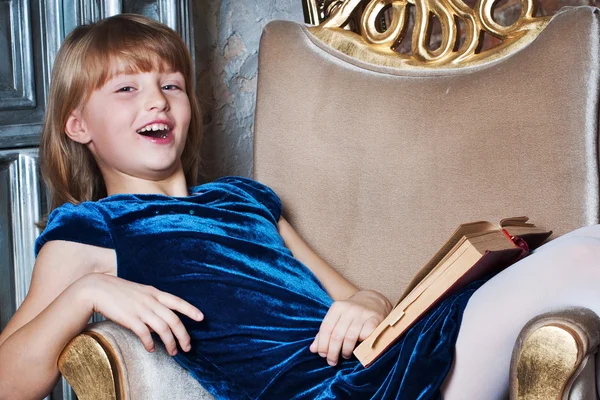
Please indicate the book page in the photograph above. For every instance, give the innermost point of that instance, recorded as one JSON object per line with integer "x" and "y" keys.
{"x": 522, "y": 230}
{"x": 515, "y": 221}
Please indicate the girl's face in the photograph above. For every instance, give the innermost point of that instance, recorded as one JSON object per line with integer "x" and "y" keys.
{"x": 137, "y": 124}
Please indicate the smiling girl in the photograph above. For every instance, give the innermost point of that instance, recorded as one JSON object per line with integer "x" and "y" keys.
{"x": 119, "y": 152}
{"x": 235, "y": 295}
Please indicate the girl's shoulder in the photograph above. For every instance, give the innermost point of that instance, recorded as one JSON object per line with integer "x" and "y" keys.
{"x": 69, "y": 213}
{"x": 82, "y": 223}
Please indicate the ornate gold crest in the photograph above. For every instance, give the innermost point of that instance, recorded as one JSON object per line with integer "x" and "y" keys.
{"x": 462, "y": 29}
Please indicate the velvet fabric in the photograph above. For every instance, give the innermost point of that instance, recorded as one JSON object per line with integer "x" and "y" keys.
{"x": 220, "y": 249}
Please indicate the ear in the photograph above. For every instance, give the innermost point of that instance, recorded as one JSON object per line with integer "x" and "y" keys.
{"x": 75, "y": 128}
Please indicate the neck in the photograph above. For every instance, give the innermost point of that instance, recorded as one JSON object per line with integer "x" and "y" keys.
{"x": 172, "y": 185}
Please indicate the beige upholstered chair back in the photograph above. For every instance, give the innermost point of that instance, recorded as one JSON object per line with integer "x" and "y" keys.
{"x": 377, "y": 166}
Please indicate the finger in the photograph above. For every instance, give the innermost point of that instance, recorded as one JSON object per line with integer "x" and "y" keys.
{"x": 178, "y": 304}
{"x": 327, "y": 326}
{"x": 369, "y": 327}
{"x": 351, "y": 338}
{"x": 313, "y": 346}
{"x": 337, "y": 339}
{"x": 175, "y": 325}
{"x": 162, "y": 329}
{"x": 141, "y": 330}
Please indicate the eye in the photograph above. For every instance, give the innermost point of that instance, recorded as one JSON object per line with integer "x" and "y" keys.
{"x": 171, "y": 87}
{"x": 125, "y": 89}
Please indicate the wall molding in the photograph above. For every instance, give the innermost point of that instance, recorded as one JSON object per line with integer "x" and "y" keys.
{"x": 21, "y": 95}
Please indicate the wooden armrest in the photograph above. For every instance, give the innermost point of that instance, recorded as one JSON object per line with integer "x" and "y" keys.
{"x": 550, "y": 353}
{"x": 90, "y": 365}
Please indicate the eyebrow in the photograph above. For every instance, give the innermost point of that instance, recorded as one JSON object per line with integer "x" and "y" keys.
{"x": 113, "y": 75}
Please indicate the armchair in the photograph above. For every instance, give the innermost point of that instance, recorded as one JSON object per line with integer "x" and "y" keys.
{"x": 377, "y": 156}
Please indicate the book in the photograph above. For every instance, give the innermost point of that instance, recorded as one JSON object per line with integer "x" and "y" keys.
{"x": 474, "y": 251}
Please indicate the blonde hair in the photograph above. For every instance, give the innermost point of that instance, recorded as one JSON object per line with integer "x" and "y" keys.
{"x": 83, "y": 65}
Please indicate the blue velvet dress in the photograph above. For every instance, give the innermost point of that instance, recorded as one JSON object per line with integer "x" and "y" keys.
{"x": 220, "y": 250}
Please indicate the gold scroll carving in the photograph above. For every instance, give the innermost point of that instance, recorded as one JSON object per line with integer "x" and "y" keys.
{"x": 462, "y": 30}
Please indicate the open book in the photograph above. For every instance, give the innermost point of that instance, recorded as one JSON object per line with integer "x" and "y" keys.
{"x": 474, "y": 251}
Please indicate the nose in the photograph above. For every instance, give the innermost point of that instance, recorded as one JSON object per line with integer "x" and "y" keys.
{"x": 156, "y": 100}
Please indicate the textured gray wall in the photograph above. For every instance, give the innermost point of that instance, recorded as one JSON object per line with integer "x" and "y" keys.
{"x": 227, "y": 33}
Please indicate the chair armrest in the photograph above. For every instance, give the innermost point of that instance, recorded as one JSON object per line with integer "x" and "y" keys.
{"x": 551, "y": 352}
{"x": 88, "y": 364}
{"x": 107, "y": 361}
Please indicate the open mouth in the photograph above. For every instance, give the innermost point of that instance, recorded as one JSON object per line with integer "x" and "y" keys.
{"x": 155, "y": 130}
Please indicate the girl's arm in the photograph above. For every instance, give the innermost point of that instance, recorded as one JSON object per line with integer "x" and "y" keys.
{"x": 354, "y": 314}
{"x": 68, "y": 285}
{"x": 51, "y": 314}
{"x": 338, "y": 287}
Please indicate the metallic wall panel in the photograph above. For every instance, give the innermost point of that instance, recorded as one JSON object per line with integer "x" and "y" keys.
{"x": 26, "y": 211}
{"x": 6, "y": 64}
{"x": 22, "y": 107}
{"x": 90, "y": 11}
{"x": 16, "y": 73}
{"x": 51, "y": 16}
{"x": 23, "y": 201}
{"x": 87, "y": 11}
{"x": 20, "y": 208}
{"x": 7, "y": 287}
{"x": 178, "y": 16}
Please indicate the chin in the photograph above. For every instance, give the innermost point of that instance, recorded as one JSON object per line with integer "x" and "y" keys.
{"x": 161, "y": 172}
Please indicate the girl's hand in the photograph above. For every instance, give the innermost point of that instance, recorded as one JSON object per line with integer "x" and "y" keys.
{"x": 142, "y": 309}
{"x": 349, "y": 321}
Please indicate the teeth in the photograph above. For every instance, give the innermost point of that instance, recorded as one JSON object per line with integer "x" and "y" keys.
{"x": 154, "y": 127}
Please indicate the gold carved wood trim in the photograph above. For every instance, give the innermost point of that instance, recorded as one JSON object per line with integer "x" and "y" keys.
{"x": 90, "y": 366}
{"x": 548, "y": 364}
{"x": 366, "y": 43}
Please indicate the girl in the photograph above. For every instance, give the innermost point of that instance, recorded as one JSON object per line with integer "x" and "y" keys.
{"x": 232, "y": 291}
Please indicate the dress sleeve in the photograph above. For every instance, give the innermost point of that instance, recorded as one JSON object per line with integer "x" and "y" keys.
{"x": 82, "y": 223}
{"x": 261, "y": 193}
